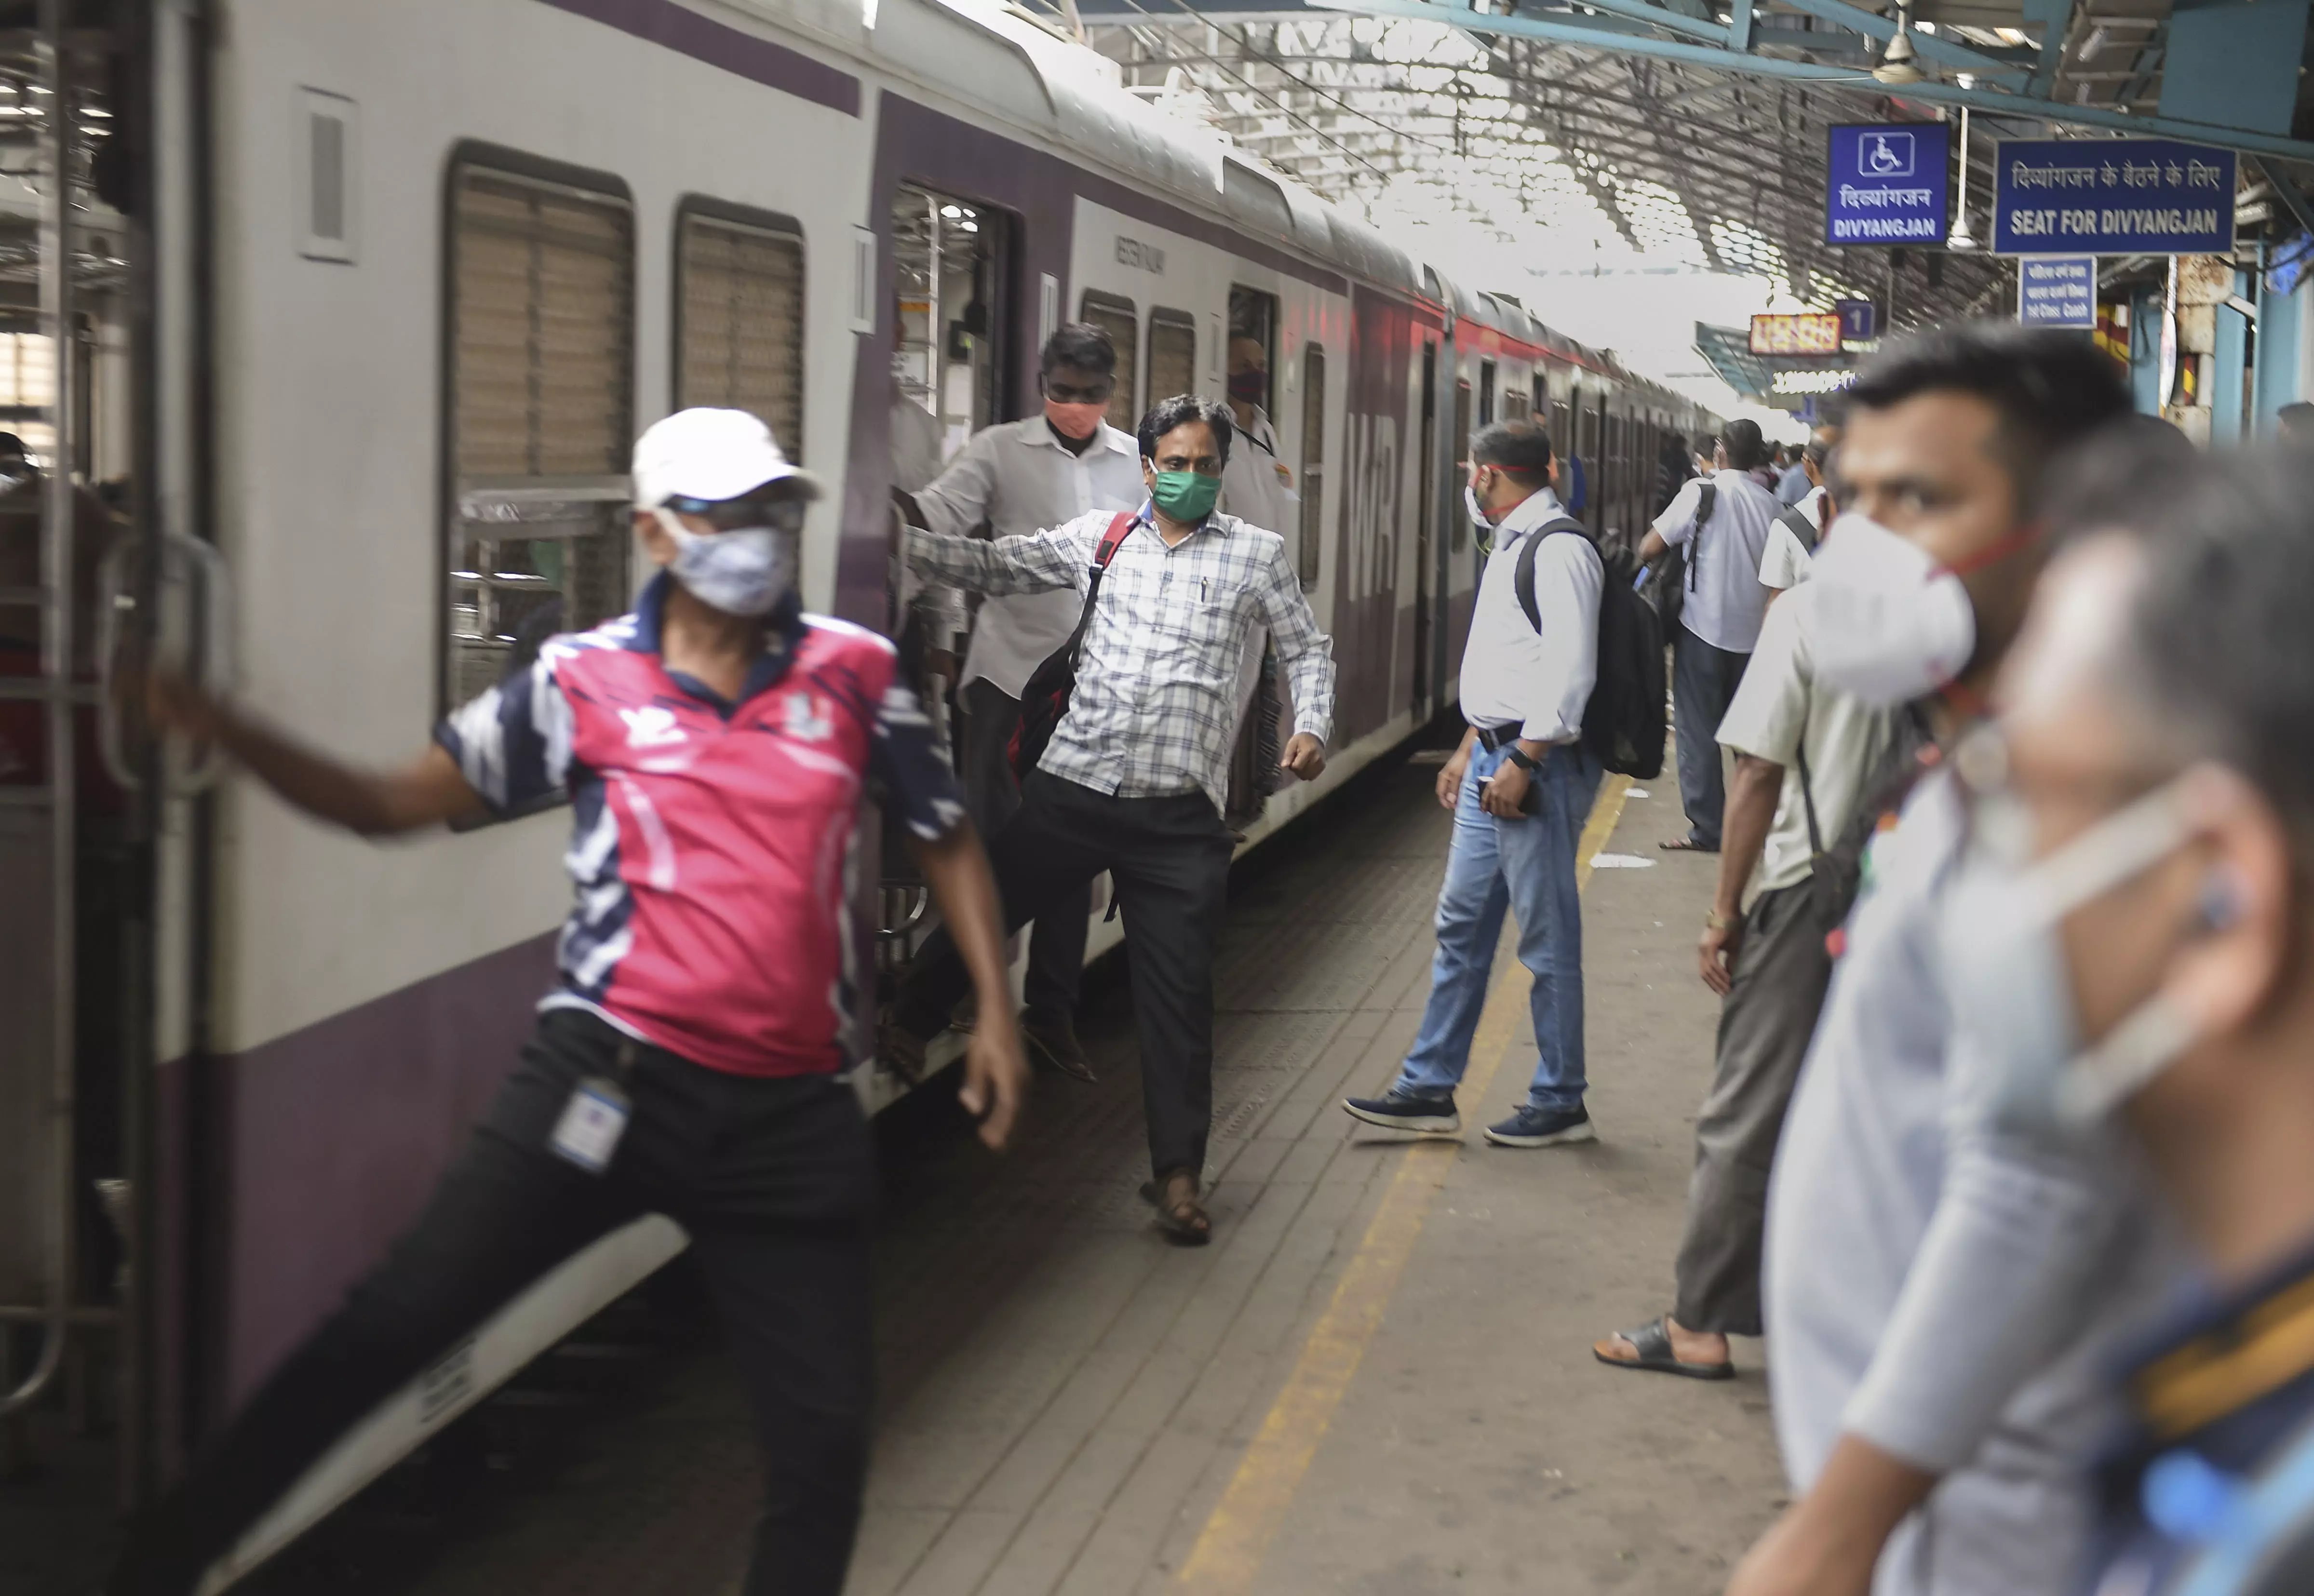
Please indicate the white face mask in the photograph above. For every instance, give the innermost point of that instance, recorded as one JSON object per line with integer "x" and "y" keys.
{"x": 745, "y": 571}
{"x": 2023, "y": 1065}
{"x": 1890, "y": 625}
{"x": 1478, "y": 517}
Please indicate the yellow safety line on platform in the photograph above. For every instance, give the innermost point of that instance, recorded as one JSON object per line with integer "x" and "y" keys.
{"x": 1237, "y": 1535}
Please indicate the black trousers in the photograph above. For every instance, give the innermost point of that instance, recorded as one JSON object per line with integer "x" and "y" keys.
{"x": 1765, "y": 1025}
{"x": 992, "y": 795}
{"x": 1170, "y": 859}
{"x": 774, "y": 1179}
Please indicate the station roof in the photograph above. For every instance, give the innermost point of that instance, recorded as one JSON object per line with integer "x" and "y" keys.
{"x": 1696, "y": 127}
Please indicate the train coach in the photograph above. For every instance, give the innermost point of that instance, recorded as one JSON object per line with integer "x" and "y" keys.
{"x": 362, "y": 310}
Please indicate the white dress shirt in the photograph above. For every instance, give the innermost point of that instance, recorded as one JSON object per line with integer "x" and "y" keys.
{"x": 1018, "y": 478}
{"x": 1726, "y": 601}
{"x": 1513, "y": 672}
{"x": 1153, "y": 710}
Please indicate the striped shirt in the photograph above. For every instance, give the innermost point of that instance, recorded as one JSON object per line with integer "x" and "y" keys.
{"x": 1155, "y": 710}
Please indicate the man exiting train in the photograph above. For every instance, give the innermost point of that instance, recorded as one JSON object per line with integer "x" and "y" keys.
{"x": 715, "y": 744}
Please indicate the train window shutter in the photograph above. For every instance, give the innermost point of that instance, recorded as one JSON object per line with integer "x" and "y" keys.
{"x": 1172, "y": 355}
{"x": 540, "y": 379}
{"x": 1313, "y": 464}
{"x": 740, "y": 318}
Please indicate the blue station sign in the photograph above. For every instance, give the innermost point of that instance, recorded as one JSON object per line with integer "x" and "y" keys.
{"x": 1860, "y": 320}
{"x": 2112, "y": 196}
{"x": 1887, "y": 183}
{"x": 2057, "y": 291}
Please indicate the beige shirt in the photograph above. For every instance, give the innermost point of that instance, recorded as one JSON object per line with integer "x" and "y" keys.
{"x": 1777, "y": 705}
{"x": 1018, "y": 479}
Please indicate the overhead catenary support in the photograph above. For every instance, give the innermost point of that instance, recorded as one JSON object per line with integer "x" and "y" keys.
{"x": 1928, "y": 92}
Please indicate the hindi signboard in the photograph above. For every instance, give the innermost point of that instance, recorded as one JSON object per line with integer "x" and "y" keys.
{"x": 1810, "y": 332}
{"x": 1887, "y": 183}
{"x": 2057, "y": 291}
{"x": 2112, "y": 196}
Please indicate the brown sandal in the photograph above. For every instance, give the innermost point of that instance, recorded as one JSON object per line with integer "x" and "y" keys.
{"x": 1184, "y": 1222}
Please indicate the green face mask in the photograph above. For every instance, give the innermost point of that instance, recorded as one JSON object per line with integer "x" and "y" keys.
{"x": 1186, "y": 496}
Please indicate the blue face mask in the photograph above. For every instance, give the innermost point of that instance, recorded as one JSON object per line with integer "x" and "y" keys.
{"x": 745, "y": 571}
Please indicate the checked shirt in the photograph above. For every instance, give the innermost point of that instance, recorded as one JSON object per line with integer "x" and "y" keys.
{"x": 1155, "y": 709}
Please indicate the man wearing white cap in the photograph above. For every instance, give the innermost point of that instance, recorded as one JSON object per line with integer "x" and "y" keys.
{"x": 690, "y": 1059}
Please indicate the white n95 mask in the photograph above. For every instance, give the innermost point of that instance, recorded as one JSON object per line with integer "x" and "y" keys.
{"x": 745, "y": 571}
{"x": 1890, "y": 625}
{"x": 2023, "y": 1065}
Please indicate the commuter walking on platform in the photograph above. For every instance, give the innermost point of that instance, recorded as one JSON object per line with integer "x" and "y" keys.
{"x": 714, "y": 745}
{"x": 1020, "y": 478}
{"x": 2137, "y": 952}
{"x": 1793, "y": 483}
{"x": 1793, "y": 537}
{"x": 1521, "y": 785}
{"x": 1133, "y": 779}
{"x": 1720, "y": 523}
{"x": 1808, "y": 762}
{"x": 1934, "y": 1291}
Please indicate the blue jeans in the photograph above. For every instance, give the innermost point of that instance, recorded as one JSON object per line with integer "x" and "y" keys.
{"x": 1526, "y": 866}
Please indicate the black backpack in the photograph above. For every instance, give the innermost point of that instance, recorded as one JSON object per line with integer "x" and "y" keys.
{"x": 1045, "y": 699}
{"x": 1623, "y": 722}
{"x": 1672, "y": 578}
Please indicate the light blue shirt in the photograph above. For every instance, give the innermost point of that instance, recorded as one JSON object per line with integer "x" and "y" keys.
{"x": 1947, "y": 1294}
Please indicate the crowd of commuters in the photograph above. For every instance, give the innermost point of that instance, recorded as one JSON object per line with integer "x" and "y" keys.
{"x": 2006, "y": 1143}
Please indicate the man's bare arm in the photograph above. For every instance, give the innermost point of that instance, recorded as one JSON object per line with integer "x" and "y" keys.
{"x": 1749, "y": 811}
{"x": 428, "y": 791}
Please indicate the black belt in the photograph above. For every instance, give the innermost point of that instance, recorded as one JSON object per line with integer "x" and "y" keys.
{"x": 1494, "y": 739}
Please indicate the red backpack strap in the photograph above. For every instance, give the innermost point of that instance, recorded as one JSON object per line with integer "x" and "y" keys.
{"x": 1113, "y": 539}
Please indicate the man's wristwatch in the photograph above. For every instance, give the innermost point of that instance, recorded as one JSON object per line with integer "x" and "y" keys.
{"x": 1518, "y": 757}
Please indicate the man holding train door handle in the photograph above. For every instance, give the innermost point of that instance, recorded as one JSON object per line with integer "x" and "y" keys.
{"x": 715, "y": 744}
{"x": 1136, "y": 777}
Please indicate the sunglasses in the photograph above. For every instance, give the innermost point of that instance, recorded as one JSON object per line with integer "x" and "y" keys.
{"x": 784, "y": 513}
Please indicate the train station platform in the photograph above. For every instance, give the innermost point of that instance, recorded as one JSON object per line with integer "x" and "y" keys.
{"x": 1378, "y": 1379}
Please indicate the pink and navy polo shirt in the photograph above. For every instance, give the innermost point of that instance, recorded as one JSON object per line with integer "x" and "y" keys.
{"x": 712, "y": 841}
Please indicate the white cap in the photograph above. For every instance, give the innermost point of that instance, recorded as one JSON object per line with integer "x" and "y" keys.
{"x": 710, "y": 455}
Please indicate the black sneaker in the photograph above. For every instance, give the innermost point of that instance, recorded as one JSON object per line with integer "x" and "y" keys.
{"x": 1408, "y": 1111}
{"x": 1542, "y": 1127}
{"x": 1053, "y": 1044}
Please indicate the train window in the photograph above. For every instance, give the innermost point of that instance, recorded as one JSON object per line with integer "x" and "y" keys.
{"x": 1486, "y": 393}
{"x": 1461, "y": 524}
{"x": 1514, "y": 405}
{"x": 1116, "y": 318}
{"x": 1313, "y": 461}
{"x": 1253, "y": 316}
{"x": 950, "y": 256}
{"x": 1541, "y": 398}
{"x": 738, "y": 316}
{"x": 1172, "y": 354}
{"x": 540, "y": 411}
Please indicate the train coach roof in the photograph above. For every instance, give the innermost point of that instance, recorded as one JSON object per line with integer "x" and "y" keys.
{"x": 1058, "y": 88}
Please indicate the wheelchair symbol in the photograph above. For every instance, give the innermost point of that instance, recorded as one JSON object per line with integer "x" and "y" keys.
{"x": 1887, "y": 155}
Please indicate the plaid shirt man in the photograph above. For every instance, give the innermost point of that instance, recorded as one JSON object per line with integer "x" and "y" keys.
{"x": 1154, "y": 708}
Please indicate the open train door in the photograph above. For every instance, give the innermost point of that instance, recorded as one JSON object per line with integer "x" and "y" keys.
{"x": 103, "y": 563}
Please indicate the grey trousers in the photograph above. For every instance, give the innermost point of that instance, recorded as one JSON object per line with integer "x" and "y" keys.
{"x": 1703, "y": 679}
{"x": 991, "y": 796}
{"x": 1781, "y": 971}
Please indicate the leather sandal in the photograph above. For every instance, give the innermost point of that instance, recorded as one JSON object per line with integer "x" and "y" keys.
{"x": 1184, "y": 1221}
{"x": 1652, "y": 1342}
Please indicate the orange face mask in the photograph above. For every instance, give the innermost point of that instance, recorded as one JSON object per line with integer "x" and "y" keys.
{"x": 1074, "y": 420}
